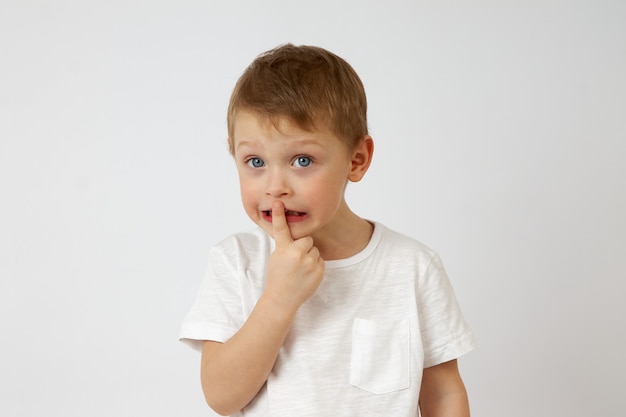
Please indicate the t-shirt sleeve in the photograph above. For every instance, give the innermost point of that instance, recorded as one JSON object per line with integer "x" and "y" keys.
{"x": 216, "y": 313}
{"x": 444, "y": 331}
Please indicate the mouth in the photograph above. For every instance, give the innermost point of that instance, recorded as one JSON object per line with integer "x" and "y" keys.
{"x": 291, "y": 215}
{"x": 287, "y": 213}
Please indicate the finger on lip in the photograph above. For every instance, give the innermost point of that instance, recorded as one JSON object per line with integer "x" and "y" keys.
{"x": 284, "y": 211}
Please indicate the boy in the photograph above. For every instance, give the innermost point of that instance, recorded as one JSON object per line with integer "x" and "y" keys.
{"x": 319, "y": 312}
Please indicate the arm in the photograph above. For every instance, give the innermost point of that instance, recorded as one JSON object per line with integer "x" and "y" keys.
{"x": 443, "y": 392}
{"x": 232, "y": 373}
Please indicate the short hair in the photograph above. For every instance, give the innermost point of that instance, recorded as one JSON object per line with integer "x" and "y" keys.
{"x": 307, "y": 85}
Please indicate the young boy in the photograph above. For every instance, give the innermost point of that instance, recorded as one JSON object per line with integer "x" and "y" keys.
{"x": 319, "y": 312}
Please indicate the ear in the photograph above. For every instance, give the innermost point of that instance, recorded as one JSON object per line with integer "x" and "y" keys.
{"x": 361, "y": 158}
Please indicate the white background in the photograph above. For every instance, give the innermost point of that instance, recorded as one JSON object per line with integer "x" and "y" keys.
{"x": 500, "y": 131}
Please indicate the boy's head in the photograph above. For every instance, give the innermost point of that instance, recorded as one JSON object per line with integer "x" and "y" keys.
{"x": 308, "y": 86}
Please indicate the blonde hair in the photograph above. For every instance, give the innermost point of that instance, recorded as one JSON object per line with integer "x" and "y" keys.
{"x": 307, "y": 85}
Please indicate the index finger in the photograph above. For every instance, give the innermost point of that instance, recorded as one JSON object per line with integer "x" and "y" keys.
{"x": 282, "y": 235}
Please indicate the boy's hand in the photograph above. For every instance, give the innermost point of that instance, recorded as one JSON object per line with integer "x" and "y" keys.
{"x": 295, "y": 269}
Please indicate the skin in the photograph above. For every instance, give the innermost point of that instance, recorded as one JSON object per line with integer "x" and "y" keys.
{"x": 308, "y": 173}
{"x": 443, "y": 392}
{"x": 292, "y": 185}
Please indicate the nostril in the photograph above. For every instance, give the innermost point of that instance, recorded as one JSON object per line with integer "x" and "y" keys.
{"x": 277, "y": 192}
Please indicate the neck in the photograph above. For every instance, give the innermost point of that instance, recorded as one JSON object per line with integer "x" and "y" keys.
{"x": 348, "y": 237}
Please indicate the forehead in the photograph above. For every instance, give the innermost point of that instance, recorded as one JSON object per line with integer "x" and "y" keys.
{"x": 250, "y": 127}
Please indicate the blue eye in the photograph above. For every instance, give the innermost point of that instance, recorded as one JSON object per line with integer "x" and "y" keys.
{"x": 255, "y": 162}
{"x": 302, "y": 161}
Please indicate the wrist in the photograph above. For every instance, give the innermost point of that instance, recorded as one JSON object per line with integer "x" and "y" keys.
{"x": 277, "y": 307}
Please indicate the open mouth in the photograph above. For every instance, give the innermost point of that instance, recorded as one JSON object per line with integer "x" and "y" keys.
{"x": 288, "y": 213}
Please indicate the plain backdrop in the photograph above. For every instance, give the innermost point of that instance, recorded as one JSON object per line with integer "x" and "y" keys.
{"x": 500, "y": 131}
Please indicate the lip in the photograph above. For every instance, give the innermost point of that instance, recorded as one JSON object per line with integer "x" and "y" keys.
{"x": 292, "y": 216}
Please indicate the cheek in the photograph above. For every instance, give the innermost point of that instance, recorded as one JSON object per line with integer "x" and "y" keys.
{"x": 327, "y": 193}
{"x": 248, "y": 196}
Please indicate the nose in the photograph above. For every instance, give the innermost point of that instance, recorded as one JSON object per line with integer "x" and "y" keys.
{"x": 277, "y": 184}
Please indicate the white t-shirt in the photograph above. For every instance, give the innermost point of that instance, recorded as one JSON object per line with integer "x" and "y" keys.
{"x": 359, "y": 345}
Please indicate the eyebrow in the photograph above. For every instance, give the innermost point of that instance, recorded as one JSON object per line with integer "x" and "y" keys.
{"x": 240, "y": 144}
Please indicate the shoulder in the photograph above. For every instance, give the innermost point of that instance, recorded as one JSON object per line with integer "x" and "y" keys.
{"x": 398, "y": 252}
{"x": 243, "y": 246}
{"x": 253, "y": 238}
{"x": 403, "y": 245}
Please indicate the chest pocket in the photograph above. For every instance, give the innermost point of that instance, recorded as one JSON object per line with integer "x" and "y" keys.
{"x": 380, "y": 356}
